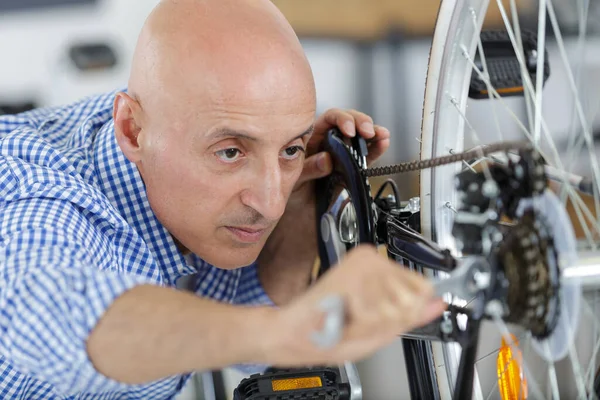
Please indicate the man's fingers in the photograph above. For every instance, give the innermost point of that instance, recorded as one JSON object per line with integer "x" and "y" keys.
{"x": 315, "y": 167}
{"x": 379, "y": 144}
{"x": 349, "y": 122}
{"x": 336, "y": 118}
{"x": 377, "y": 149}
{"x": 364, "y": 123}
{"x": 381, "y": 133}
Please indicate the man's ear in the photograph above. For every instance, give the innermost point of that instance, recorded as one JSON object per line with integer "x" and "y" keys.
{"x": 126, "y": 115}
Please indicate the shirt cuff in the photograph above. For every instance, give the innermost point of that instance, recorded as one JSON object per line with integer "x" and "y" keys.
{"x": 48, "y": 313}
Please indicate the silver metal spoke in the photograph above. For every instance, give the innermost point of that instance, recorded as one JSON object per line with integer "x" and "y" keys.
{"x": 585, "y": 129}
{"x": 491, "y": 393}
{"x": 476, "y": 140}
{"x": 579, "y": 140}
{"x": 528, "y": 86}
{"x": 486, "y": 73}
{"x": 539, "y": 77}
{"x": 596, "y": 321}
{"x": 582, "y": 16}
{"x": 496, "y": 95}
{"x": 577, "y": 371}
{"x": 580, "y": 206}
{"x": 591, "y": 371}
{"x": 572, "y": 193}
{"x": 552, "y": 373}
{"x": 517, "y": 26}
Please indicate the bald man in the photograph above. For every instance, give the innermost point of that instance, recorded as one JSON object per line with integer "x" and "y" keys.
{"x": 202, "y": 169}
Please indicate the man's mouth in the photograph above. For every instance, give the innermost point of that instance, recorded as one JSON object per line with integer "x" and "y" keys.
{"x": 247, "y": 234}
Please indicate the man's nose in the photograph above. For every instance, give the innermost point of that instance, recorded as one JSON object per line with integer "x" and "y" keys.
{"x": 265, "y": 193}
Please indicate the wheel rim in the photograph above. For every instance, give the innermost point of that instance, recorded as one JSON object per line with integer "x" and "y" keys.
{"x": 454, "y": 46}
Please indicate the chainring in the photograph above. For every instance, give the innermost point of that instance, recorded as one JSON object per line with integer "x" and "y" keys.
{"x": 349, "y": 163}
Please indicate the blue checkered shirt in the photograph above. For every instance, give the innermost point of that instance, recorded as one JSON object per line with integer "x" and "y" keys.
{"x": 76, "y": 231}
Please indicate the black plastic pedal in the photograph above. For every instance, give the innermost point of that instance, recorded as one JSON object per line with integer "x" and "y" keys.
{"x": 503, "y": 66}
{"x": 294, "y": 384}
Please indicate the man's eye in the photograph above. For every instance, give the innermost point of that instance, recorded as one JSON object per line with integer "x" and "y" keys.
{"x": 293, "y": 152}
{"x": 229, "y": 155}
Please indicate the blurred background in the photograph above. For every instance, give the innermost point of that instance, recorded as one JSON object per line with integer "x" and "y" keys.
{"x": 370, "y": 55}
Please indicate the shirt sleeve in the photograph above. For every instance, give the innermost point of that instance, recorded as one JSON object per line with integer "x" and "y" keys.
{"x": 250, "y": 291}
{"x": 51, "y": 297}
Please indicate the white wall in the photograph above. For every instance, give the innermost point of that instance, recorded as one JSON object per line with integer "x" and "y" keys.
{"x": 34, "y": 49}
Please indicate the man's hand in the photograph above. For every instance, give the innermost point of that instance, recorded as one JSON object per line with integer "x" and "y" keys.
{"x": 381, "y": 300}
{"x": 287, "y": 259}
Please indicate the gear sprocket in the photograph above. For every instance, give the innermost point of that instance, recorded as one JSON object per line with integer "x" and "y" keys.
{"x": 530, "y": 265}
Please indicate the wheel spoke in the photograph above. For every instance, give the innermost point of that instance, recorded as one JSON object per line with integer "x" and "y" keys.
{"x": 517, "y": 26}
{"x": 487, "y": 74}
{"x": 575, "y": 197}
{"x": 590, "y": 373}
{"x": 539, "y": 77}
{"x": 582, "y": 16}
{"x": 555, "y": 394}
{"x": 475, "y": 137}
{"x": 577, "y": 372}
{"x": 491, "y": 393}
{"x": 585, "y": 128}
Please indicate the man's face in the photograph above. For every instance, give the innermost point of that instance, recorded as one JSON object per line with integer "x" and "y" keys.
{"x": 219, "y": 173}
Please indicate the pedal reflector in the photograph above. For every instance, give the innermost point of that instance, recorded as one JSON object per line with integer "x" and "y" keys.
{"x": 296, "y": 383}
{"x": 317, "y": 383}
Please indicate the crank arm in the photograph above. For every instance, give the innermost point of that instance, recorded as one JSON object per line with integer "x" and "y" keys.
{"x": 407, "y": 243}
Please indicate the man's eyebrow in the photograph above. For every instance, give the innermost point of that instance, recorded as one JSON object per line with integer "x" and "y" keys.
{"x": 222, "y": 133}
{"x": 306, "y": 132}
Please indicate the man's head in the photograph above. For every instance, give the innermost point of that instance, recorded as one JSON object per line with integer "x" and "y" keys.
{"x": 220, "y": 106}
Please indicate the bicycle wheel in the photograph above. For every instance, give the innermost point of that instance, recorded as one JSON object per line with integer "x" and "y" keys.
{"x": 459, "y": 67}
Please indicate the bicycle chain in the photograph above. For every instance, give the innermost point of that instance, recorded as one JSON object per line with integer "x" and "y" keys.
{"x": 444, "y": 160}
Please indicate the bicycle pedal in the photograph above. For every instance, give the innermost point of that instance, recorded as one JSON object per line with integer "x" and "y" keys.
{"x": 294, "y": 384}
{"x": 503, "y": 66}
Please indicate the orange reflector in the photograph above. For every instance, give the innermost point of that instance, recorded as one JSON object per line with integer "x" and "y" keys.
{"x": 508, "y": 90}
{"x": 296, "y": 383}
{"x": 511, "y": 380}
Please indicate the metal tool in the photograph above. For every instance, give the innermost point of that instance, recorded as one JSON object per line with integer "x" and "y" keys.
{"x": 470, "y": 277}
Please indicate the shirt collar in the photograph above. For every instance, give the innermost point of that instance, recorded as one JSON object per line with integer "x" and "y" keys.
{"x": 121, "y": 182}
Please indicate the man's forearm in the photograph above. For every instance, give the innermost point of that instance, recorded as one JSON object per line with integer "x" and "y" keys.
{"x": 152, "y": 332}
